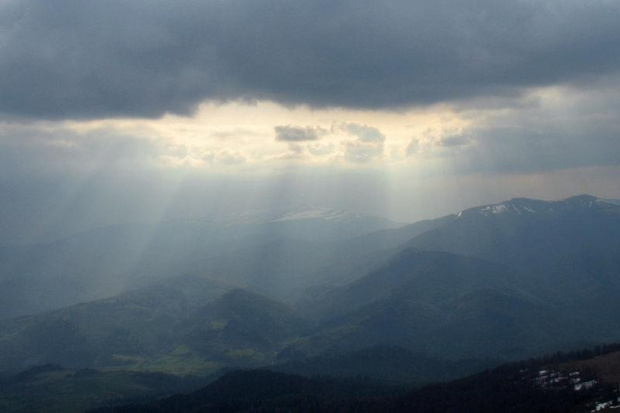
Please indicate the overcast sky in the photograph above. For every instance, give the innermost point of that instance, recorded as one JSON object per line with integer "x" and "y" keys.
{"x": 116, "y": 111}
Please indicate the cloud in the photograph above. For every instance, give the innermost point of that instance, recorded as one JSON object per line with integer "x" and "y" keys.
{"x": 227, "y": 157}
{"x": 572, "y": 130}
{"x": 454, "y": 140}
{"x": 363, "y": 132}
{"x": 412, "y": 148}
{"x": 234, "y": 133}
{"x": 362, "y": 152}
{"x": 72, "y": 59}
{"x": 531, "y": 149}
{"x": 296, "y": 148}
{"x": 321, "y": 150}
{"x": 368, "y": 146}
{"x": 298, "y": 134}
{"x": 28, "y": 148}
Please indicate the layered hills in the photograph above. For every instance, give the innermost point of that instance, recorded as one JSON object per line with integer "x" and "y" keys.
{"x": 449, "y": 296}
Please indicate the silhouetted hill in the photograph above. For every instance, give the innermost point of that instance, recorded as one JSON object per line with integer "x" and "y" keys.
{"x": 267, "y": 391}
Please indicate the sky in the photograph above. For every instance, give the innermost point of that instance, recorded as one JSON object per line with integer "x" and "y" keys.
{"x": 136, "y": 111}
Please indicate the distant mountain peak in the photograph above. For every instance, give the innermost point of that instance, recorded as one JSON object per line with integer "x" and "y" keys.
{"x": 527, "y": 206}
{"x": 326, "y": 214}
{"x": 299, "y": 214}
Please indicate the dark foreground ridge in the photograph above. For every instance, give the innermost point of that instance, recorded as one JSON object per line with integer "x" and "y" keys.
{"x": 564, "y": 382}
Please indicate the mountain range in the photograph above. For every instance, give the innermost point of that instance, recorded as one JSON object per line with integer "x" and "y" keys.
{"x": 265, "y": 250}
{"x": 457, "y": 294}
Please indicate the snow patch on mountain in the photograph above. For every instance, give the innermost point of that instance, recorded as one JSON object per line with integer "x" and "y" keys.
{"x": 615, "y": 202}
{"x": 303, "y": 214}
{"x": 320, "y": 213}
{"x": 495, "y": 209}
{"x": 524, "y": 206}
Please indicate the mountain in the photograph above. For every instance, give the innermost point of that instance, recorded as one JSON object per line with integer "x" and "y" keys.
{"x": 445, "y": 305}
{"x": 309, "y": 222}
{"x": 421, "y": 276}
{"x": 188, "y": 324}
{"x": 418, "y": 296}
{"x": 349, "y": 260}
{"x": 241, "y": 328}
{"x": 568, "y": 250}
{"x": 529, "y": 232}
{"x": 505, "y": 281}
{"x": 572, "y": 236}
{"x": 256, "y": 249}
{"x": 476, "y": 301}
{"x": 128, "y": 330}
{"x": 518, "y": 231}
{"x": 492, "y": 283}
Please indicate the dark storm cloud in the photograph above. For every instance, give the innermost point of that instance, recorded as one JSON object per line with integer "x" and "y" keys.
{"x": 30, "y": 149}
{"x": 451, "y": 141}
{"x": 290, "y": 133}
{"x": 524, "y": 142}
{"x": 93, "y": 59}
{"x": 527, "y": 149}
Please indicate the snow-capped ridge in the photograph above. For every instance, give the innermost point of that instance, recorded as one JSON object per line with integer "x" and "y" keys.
{"x": 527, "y": 206}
